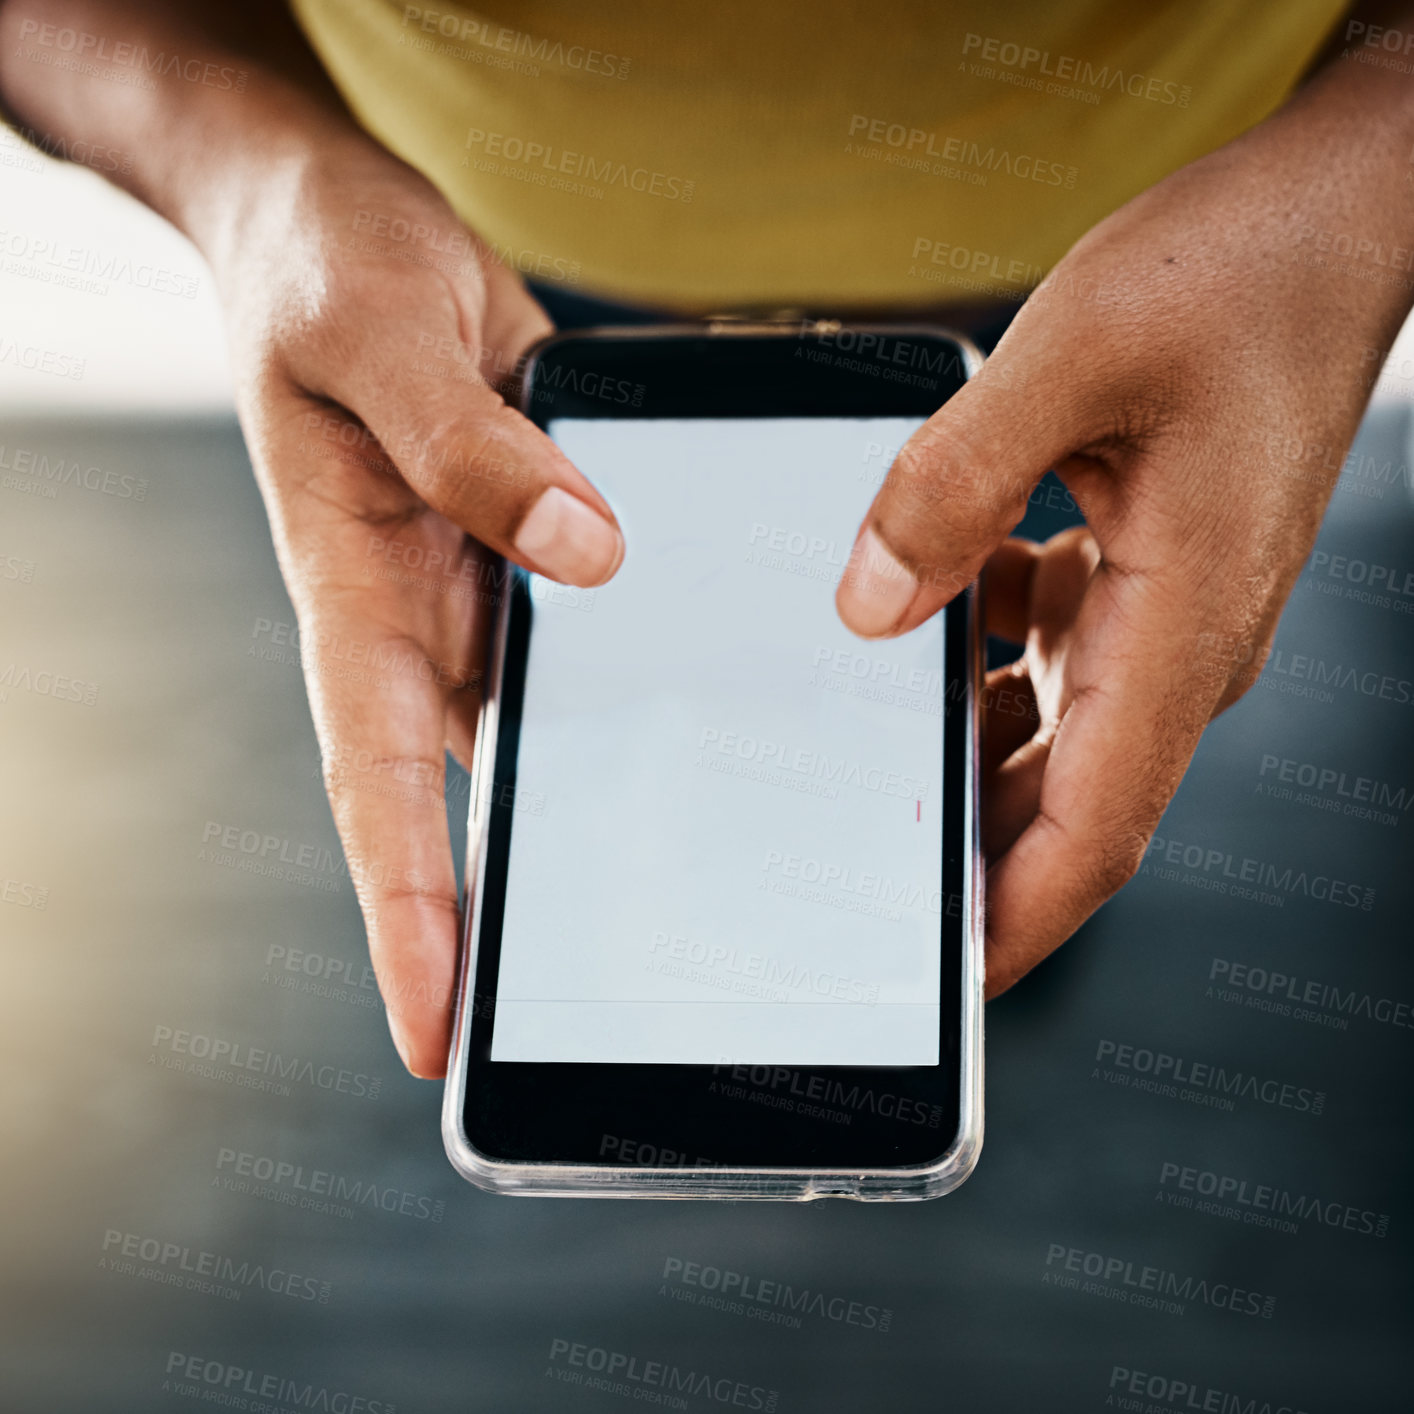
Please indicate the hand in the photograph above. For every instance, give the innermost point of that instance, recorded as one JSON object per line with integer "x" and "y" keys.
{"x": 367, "y": 371}
{"x": 1168, "y": 369}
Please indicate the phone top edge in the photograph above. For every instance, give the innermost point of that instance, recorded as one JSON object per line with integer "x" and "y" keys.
{"x": 835, "y": 363}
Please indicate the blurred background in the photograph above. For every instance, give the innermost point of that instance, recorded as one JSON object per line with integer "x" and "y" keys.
{"x": 174, "y": 1237}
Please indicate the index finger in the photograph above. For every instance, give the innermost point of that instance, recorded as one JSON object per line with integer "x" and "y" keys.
{"x": 383, "y": 753}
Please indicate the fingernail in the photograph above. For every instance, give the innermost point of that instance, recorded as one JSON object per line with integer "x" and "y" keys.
{"x": 566, "y": 540}
{"x": 875, "y": 590}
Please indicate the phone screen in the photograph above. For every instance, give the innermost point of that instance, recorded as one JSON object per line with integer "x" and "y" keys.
{"x": 726, "y": 840}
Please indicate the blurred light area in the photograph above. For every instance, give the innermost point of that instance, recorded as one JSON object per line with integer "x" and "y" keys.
{"x": 144, "y": 350}
{"x": 92, "y": 281}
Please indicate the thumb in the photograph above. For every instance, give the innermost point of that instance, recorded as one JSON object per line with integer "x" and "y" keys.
{"x": 955, "y": 492}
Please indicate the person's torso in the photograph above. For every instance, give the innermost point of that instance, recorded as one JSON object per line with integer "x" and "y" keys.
{"x": 829, "y": 155}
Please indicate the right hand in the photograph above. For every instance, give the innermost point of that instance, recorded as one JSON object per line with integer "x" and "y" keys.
{"x": 379, "y": 455}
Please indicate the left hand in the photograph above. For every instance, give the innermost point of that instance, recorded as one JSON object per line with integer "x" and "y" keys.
{"x": 1177, "y": 369}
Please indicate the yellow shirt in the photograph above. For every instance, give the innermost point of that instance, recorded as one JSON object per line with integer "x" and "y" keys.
{"x": 737, "y": 156}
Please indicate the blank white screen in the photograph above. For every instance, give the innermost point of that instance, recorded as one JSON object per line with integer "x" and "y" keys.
{"x": 726, "y": 842}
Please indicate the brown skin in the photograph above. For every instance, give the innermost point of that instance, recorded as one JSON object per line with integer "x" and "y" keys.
{"x": 1163, "y": 404}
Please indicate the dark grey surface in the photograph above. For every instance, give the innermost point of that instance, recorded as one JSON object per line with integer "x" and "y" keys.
{"x": 158, "y": 601}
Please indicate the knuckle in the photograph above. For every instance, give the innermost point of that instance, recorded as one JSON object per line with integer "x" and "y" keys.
{"x": 939, "y": 482}
{"x": 352, "y": 317}
{"x": 1239, "y": 684}
{"x": 1105, "y": 857}
{"x": 461, "y": 462}
{"x": 350, "y": 768}
{"x": 1117, "y": 858}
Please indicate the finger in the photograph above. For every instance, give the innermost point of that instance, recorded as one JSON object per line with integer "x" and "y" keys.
{"x": 384, "y": 650}
{"x": 470, "y": 456}
{"x": 379, "y": 700}
{"x": 1009, "y": 724}
{"x": 488, "y": 469}
{"x": 1010, "y": 795}
{"x": 382, "y": 746}
{"x": 1060, "y": 574}
{"x": 1009, "y": 714}
{"x": 462, "y": 717}
{"x": 1133, "y": 715}
{"x": 955, "y": 491}
{"x": 1064, "y": 568}
{"x": 1006, "y": 588}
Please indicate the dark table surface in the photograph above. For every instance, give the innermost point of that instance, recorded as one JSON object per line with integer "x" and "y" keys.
{"x": 1023, "y": 1291}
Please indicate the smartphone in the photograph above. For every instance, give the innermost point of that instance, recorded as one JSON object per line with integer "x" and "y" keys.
{"x": 724, "y": 914}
